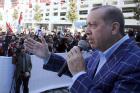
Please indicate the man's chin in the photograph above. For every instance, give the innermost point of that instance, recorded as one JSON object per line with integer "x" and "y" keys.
{"x": 93, "y": 46}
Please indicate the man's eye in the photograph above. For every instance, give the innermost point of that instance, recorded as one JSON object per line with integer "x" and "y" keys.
{"x": 93, "y": 25}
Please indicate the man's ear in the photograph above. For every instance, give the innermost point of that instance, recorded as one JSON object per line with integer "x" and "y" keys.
{"x": 115, "y": 28}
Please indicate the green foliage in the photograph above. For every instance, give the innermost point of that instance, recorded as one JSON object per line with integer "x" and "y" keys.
{"x": 38, "y": 13}
{"x": 1, "y": 18}
{"x": 72, "y": 13}
{"x": 136, "y": 0}
{"x": 15, "y": 14}
{"x": 137, "y": 12}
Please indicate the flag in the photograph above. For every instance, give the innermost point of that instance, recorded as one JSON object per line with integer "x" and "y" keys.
{"x": 9, "y": 28}
{"x": 20, "y": 18}
{"x": 19, "y": 22}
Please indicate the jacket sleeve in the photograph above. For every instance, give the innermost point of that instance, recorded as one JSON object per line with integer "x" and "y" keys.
{"x": 55, "y": 63}
{"x": 83, "y": 84}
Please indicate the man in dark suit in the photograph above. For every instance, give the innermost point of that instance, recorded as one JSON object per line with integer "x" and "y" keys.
{"x": 113, "y": 68}
{"x": 23, "y": 69}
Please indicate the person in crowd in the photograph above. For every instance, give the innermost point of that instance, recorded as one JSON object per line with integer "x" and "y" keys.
{"x": 22, "y": 60}
{"x": 138, "y": 38}
{"x": 114, "y": 66}
{"x": 50, "y": 42}
{"x": 70, "y": 42}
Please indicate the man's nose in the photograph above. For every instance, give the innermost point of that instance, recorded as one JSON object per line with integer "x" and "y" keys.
{"x": 87, "y": 31}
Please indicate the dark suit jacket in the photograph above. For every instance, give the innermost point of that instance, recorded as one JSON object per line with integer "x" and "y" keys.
{"x": 120, "y": 73}
{"x": 23, "y": 64}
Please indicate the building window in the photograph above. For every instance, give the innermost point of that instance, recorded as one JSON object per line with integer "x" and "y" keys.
{"x": 82, "y": 18}
{"x": 55, "y": 14}
{"x": 114, "y": 2}
{"x": 128, "y": 9}
{"x": 63, "y": 19}
{"x": 64, "y": 8}
{"x": 84, "y": 6}
{"x": 95, "y": 5}
{"x": 47, "y": 14}
{"x": 55, "y": 3}
{"x": 48, "y": 9}
{"x": 62, "y": 13}
{"x": 30, "y": 15}
{"x": 129, "y": 1}
{"x": 55, "y": 9}
{"x": 83, "y": 12}
{"x": 46, "y": 18}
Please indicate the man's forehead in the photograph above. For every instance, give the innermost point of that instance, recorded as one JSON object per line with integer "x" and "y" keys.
{"x": 92, "y": 17}
{"x": 95, "y": 14}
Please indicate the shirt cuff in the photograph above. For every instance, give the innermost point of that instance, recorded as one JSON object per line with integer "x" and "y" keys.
{"x": 75, "y": 77}
{"x": 46, "y": 60}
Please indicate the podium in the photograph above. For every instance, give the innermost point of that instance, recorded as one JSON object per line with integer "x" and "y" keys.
{"x": 6, "y": 74}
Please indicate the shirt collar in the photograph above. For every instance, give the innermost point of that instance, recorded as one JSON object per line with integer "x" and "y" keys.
{"x": 110, "y": 51}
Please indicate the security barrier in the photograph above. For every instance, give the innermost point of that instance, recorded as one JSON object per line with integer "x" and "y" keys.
{"x": 41, "y": 80}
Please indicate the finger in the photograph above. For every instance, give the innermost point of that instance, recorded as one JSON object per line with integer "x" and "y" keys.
{"x": 76, "y": 49}
{"x": 27, "y": 36}
{"x": 68, "y": 55}
{"x": 43, "y": 40}
{"x": 29, "y": 49}
{"x": 28, "y": 45}
{"x": 31, "y": 41}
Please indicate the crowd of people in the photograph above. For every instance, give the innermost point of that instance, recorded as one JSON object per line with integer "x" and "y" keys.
{"x": 56, "y": 42}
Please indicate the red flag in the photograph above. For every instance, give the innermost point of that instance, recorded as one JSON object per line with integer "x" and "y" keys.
{"x": 20, "y": 18}
{"x": 9, "y": 27}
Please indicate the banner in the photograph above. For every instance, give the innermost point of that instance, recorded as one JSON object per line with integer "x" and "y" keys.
{"x": 41, "y": 80}
{"x": 6, "y": 74}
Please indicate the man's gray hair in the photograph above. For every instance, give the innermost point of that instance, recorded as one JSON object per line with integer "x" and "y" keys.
{"x": 112, "y": 14}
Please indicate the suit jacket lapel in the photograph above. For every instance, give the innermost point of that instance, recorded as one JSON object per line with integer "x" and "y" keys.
{"x": 92, "y": 66}
{"x": 113, "y": 60}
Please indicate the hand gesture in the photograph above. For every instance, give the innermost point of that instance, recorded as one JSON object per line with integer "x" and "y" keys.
{"x": 37, "y": 48}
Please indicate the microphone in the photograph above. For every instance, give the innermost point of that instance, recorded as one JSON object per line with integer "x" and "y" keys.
{"x": 83, "y": 45}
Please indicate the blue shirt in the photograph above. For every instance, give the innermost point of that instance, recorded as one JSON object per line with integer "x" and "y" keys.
{"x": 106, "y": 54}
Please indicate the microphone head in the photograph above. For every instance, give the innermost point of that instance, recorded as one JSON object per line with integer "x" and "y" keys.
{"x": 83, "y": 45}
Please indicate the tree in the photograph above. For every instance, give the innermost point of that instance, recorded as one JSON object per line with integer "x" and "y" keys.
{"x": 15, "y": 14}
{"x": 137, "y": 10}
{"x": 1, "y": 18}
{"x": 38, "y": 13}
{"x": 72, "y": 13}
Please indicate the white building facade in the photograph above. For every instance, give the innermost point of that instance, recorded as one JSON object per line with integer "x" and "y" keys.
{"x": 54, "y": 12}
